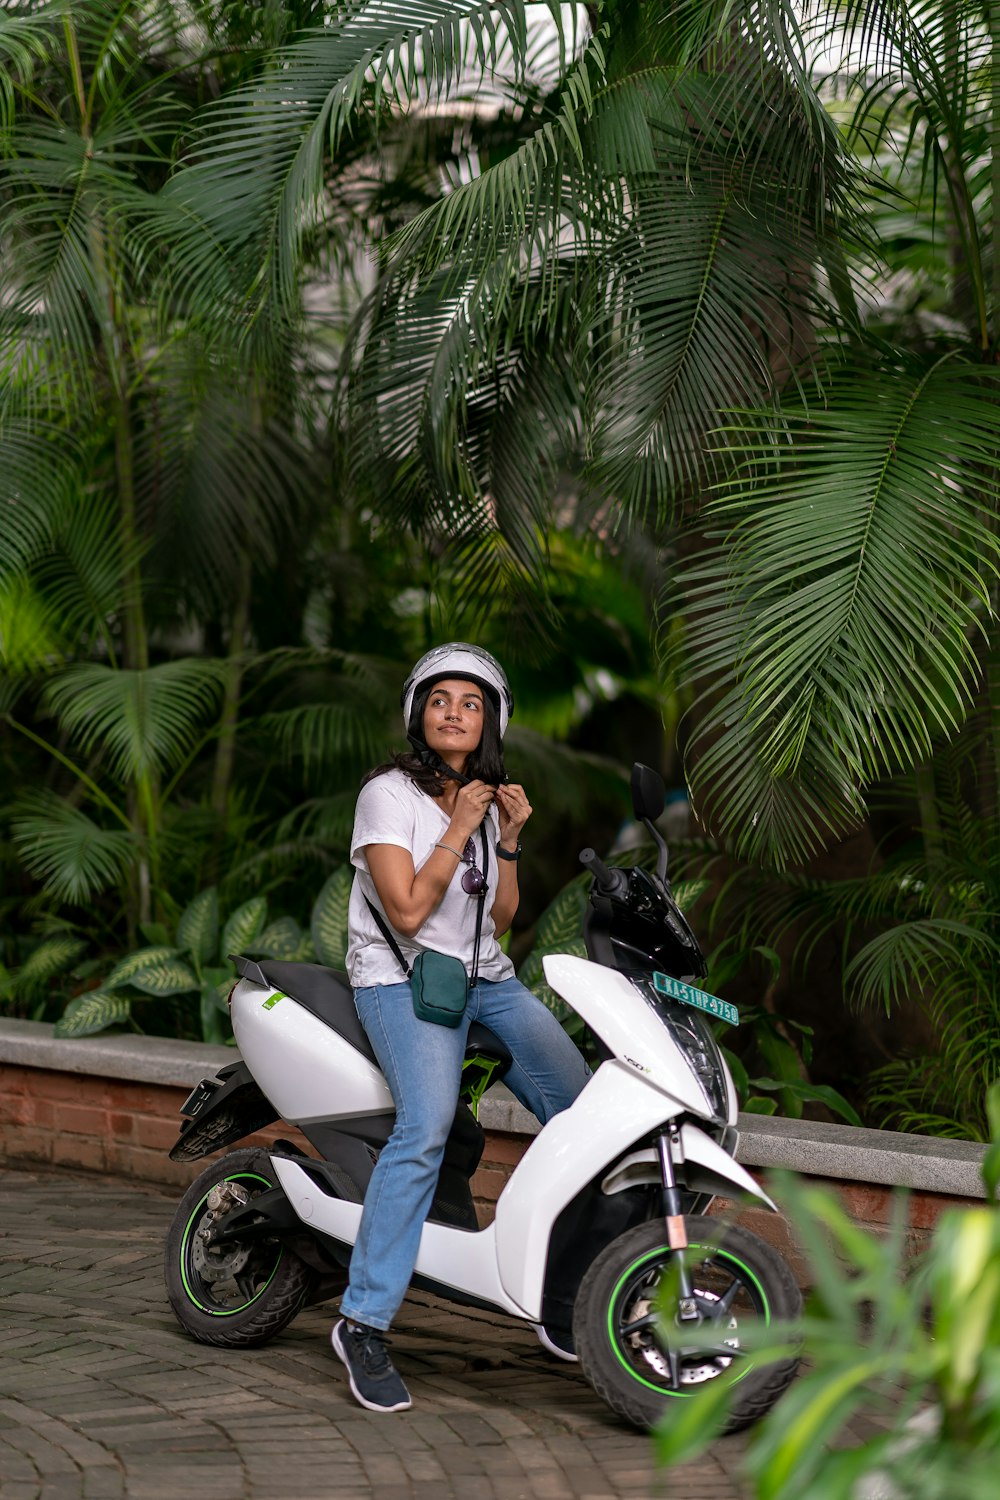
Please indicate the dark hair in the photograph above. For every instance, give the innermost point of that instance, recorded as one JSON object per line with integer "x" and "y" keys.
{"x": 485, "y": 763}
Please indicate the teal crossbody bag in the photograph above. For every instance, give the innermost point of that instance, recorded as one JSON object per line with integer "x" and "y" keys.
{"x": 438, "y": 981}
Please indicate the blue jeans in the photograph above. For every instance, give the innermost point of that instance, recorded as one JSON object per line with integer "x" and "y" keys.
{"x": 422, "y": 1063}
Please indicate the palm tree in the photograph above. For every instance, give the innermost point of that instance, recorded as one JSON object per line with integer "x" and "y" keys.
{"x": 136, "y": 462}
{"x": 661, "y": 279}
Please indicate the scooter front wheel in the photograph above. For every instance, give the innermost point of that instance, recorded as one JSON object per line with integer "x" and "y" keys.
{"x": 633, "y": 1350}
{"x": 238, "y": 1293}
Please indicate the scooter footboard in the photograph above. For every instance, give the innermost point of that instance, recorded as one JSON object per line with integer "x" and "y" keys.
{"x": 461, "y": 1260}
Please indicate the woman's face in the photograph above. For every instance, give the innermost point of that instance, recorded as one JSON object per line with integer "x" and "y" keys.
{"x": 453, "y": 719}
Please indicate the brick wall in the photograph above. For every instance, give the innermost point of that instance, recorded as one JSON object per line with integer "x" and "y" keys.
{"x": 84, "y": 1121}
{"x": 99, "y": 1124}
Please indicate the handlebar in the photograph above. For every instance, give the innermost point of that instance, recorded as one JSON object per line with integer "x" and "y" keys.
{"x": 608, "y": 882}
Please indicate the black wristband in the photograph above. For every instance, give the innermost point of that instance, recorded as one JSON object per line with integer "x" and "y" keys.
{"x": 507, "y": 853}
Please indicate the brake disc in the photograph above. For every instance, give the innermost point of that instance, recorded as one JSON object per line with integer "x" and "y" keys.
{"x": 220, "y": 1262}
{"x": 691, "y": 1373}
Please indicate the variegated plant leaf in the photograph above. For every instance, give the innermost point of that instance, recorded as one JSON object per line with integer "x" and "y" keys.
{"x": 198, "y": 928}
{"x": 329, "y": 918}
{"x": 93, "y": 1012}
{"x": 687, "y": 892}
{"x": 244, "y": 925}
{"x": 282, "y": 939}
{"x": 134, "y": 963}
{"x": 561, "y": 922}
{"x": 211, "y": 1008}
{"x": 172, "y": 976}
{"x": 53, "y": 956}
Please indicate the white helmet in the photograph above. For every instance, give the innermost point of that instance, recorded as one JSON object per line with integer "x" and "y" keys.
{"x": 469, "y": 664}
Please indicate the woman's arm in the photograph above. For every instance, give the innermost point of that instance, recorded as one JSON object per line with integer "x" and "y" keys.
{"x": 513, "y": 811}
{"x": 408, "y": 896}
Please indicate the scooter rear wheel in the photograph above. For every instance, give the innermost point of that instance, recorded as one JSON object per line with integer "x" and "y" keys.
{"x": 627, "y": 1340}
{"x": 240, "y": 1293}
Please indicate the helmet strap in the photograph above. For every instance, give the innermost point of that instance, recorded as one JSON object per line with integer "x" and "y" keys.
{"x": 430, "y": 758}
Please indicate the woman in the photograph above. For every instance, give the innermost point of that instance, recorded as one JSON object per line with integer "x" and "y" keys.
{"x": 417, "y": 851}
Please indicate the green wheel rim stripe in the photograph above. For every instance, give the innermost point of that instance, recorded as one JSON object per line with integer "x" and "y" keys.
{"x": 219, "y": 1312}
{"x": 636, "y": 1266}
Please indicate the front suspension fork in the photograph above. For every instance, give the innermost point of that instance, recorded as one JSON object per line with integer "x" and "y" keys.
{"x": 677, "y": 1239}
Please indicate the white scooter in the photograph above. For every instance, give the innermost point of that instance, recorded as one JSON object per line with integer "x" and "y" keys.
{"x": 600, "y": 1237}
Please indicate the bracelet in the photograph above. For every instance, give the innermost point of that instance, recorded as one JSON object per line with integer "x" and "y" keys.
{"x": 507, "y": 853}
{"x": 450, "y": 850}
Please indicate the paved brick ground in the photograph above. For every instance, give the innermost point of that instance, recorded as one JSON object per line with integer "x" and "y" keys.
{"x": 103, "y": 1398}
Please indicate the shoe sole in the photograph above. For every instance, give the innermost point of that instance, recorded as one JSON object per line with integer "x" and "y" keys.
{"x": 361, "y": 1400}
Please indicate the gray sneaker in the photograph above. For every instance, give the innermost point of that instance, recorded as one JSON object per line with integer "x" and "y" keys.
{"x": 374, "y": 1380}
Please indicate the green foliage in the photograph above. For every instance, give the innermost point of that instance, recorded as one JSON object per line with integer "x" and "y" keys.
{"x": 918, "y": 938}
{"x": 198, "y": 927}
{"x": 559, "y": 930}
{"x": 243, "y": 926}
{"x": 26, "y": 989}
{"x": 95, "y": 1011}
{"x": 886, "y": 1336}
{"x": 328, "y": 925}
{"x": 193, "y": 969}
{"x": 65, "y": 848}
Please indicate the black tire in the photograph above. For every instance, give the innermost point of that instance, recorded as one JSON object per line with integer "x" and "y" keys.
{"x": 627, "y": 1367}
{"x": 240, "y": 1294}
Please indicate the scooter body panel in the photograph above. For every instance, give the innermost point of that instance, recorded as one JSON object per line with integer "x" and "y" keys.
{"x": 465, "y": 1260}
{"x": 703, "y": 1166}
{"x": 611, "y": 1006}
{"x": 616, "y": 1109}
{"x": 305, "y": 1068}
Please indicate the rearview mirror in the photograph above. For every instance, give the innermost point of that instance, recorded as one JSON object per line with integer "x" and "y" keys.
{"x": 648, "y": 792}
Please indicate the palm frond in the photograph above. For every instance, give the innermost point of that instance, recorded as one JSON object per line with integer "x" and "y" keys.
{"x": 27, "y": 38}
{"x": 146, "y": 719}
{"x": 72, "y": 855}
{"x": 80, "y": 575}
{"x": 902, "y": 960}
{"x": 38, "y": 477}
{"x": 254, "y": 186}
{"x": 855, "y": 579}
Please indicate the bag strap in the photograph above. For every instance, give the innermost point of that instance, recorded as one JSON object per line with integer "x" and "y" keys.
{"x": 480, "y": 903}
{"x": 387, "y": 933}
{"x": 390, "y": 938}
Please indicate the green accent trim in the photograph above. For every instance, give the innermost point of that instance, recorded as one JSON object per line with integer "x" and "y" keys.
{"x": 473, "y": 1088}
{"x": 218, "y": 1312}
{"x": 272, "y": 1001}
{"x": 637, "y": 1265}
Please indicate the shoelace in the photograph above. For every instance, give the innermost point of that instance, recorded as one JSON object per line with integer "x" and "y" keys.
{"x": 371, "y": 1351}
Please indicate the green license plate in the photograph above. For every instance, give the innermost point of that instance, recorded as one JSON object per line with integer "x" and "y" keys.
{"x": 700, "y": 999}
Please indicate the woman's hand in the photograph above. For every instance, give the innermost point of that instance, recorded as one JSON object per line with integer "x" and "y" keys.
{"x": 471, "y": 805}
{"x": 513, "y": 811}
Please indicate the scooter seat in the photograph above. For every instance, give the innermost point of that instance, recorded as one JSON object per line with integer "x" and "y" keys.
{"x": 327, "y": 995}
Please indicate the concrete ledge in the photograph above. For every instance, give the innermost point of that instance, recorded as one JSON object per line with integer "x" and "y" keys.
{"x": 890, "y": 1157}
{"x": 840, "y": 1152}
{"x": 143, "y": 1059}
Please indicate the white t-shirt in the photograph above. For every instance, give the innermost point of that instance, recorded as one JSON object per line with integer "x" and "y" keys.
{"x": 392, "y": 810}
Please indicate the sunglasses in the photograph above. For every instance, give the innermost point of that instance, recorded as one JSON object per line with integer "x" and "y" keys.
{"x": 473, "y": 879}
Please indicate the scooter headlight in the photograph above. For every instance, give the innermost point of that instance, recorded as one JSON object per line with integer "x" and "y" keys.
{"x": 690, "y": 1031}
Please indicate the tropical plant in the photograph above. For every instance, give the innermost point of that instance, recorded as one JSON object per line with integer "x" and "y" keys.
{"x": 915, "y": 1342}
{"x": 560, "y": 930}
{"x": 662, "y": 285}
{"x": 191, "y": 965}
